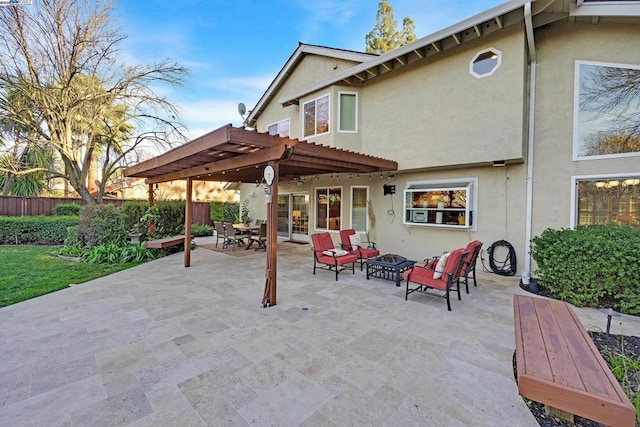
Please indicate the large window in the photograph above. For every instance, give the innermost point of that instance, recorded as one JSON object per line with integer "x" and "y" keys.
{"x": 348, "y": 112}
{"x": 328, "y": 208}
{"x": 606, "y": 110}
{"x": 316, "y": 116}
{"x": 281, "y": 128}
{"x": 447, "y": 203}
{"x": 359, "y": 206}
{"x": 608, "y": 200}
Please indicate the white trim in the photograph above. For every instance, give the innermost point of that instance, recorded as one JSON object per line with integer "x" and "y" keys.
{"x": 605, "y": 8}
{"x": 451, "y": 182}
{"x": 576, "y": 109}
{"x": 340, "y": 93}
{"x": 351, "y": 187}
{"x": 493, "y": 70}
{"x": 315, "y": 207}
{"x": 303, "y": 136}
{"x": 591, "y": 177}
{"x": 278, "y": 126}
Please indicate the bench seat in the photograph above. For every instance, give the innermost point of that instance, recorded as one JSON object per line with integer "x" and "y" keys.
{"x": 559, "y": 365}
{"x": 164, "y": 243}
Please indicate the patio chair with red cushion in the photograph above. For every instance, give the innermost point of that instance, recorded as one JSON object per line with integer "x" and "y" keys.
{"x": 350, "y": 241}
{"x": 431, "y": 278}
{"x": 469, "y": 266}
{"x": 327, "y": 257}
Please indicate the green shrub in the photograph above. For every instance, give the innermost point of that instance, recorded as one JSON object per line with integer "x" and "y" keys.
{"x": 170, "y": 218}
{"x": 591, "y": 266}
{"x": 131, "y": 212}
{"x": 44, "y": 230}
{"x": 72, "y": 236}
{"x": 100, "y": 224}
{"x": 201, "y": 230}
{"x": 114, "y": 253}
{"x": 67, "y": 209}
{"x": 224, "y": 211}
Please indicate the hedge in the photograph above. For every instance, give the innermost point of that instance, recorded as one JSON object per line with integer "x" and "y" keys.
{"x": 591, "y": 266}
{"x": 48, "y": 230}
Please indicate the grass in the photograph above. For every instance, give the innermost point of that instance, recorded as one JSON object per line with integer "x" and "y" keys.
{"x": 30, "y": 271}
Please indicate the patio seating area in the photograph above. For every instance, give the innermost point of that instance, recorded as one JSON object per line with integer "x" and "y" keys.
{"x": 161, "y": 344}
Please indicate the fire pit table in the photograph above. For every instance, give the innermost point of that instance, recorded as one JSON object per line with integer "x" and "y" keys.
{"x": 388, "y": 267}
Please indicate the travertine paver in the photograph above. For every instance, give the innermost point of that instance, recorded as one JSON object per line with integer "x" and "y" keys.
{"x": 161, "y": 344}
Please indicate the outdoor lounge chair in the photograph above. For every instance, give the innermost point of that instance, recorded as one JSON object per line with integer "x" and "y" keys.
{"x": 428, "y": 278}
{"x": 354, "y": 246}
{"x": 327, "y": 257}
{"x": 469, "y": 266}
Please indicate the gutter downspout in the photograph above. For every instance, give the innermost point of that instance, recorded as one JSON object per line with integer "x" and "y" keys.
{"x": 530, "y": 139}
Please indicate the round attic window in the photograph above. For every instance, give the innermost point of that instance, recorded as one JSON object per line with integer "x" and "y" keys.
{"x": 485, "y": 63}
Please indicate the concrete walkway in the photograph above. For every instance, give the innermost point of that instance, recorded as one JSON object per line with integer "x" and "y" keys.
{"x": 161, "y": 344}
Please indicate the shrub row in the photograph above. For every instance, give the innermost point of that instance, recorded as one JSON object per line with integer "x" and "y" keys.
{"x": 591, "y": 266}
{"x": 18, "y": 230}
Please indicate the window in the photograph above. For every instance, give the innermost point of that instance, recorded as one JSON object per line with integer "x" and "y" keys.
{"x": 485, "y": 63}
{"x": 359, "y": 205}
{"x": 328, "y": 208}
{"x": 606, "y": 111}
{"x": 443, "y": 203}
{"x": 348, "y": 112}
{"x": 316, "y": 116}
{"x": 281, "y": 128}
{"x": 608, "y": 200}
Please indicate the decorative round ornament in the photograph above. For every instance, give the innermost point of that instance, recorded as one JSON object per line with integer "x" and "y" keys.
{"x": 269, "y": 174}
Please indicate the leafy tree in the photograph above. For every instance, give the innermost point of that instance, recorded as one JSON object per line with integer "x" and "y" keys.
{"x": 80, "y": 101}
{"x": 384, "y": 37}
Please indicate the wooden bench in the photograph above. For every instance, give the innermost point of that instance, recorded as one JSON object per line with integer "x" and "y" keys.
{"x": 559, "y": 365}
{"x": 164, "y": 243}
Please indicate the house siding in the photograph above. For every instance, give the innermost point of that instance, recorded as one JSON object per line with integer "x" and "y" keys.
{"x": 559, "y": 47}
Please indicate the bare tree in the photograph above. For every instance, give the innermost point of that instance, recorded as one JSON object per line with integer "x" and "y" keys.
{"x": 61, "y": 56}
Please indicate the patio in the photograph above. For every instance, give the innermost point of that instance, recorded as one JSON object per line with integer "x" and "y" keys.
{"x": 161, "y": 344}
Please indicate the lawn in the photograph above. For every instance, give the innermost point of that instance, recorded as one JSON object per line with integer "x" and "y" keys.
{"x": 30, "y": 271}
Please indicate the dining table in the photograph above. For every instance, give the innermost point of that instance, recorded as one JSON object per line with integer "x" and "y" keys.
{"x": 250, "y": 231}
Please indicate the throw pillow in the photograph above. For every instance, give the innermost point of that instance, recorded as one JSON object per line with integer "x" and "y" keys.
{"x": 336, "y": 252}
{"x": 440, "y": 265}
{"x": 356, "y": 241}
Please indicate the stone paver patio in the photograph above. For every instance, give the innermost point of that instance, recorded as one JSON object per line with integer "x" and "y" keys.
{"x": 161, "y": 344}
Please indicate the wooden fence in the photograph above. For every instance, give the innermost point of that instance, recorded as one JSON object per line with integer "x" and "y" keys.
{"x": 32, "y": 206}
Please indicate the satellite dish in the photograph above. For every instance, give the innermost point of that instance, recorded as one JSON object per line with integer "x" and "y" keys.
{"x": 242, "y": 109}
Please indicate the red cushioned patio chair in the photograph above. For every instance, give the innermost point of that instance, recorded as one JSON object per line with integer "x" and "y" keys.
{"x": 327, "y": 257}
{"x": 424, "y": 276}
{"x": 355, "y": 249}
{"x": 469, "y": 266}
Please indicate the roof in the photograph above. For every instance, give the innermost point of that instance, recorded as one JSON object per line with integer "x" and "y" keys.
{"x": 295, "y": 58}
{"x": 236, "y": 154}
{"x": 482, "y": 24}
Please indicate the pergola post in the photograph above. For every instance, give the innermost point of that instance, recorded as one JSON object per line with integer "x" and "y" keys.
{"x": 188, "y": 209}
{"x": 269, "y": 297}
{"x": 151, "y": 226}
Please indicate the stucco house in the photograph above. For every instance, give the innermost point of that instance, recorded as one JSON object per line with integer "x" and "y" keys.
{"x": 521, "y": 118}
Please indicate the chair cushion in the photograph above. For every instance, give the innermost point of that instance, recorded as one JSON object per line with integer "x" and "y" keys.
{"x": 322, "y": 241}
{"x": 341, "y": 260}
{"x": 336, "y": 252}
{"x": 423, "y": 276}
{"x": 440, "y": 265}
{"x": 366, "y": 253}
{"x": 355, "y": 240}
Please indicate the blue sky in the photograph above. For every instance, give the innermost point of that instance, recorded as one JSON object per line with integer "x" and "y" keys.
{"x": 234, "y": 49}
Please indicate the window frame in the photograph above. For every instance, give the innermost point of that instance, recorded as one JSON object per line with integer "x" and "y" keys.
{"x": 277, "y": 124}
{"x": 471, "y": 207}
{"x": 576, "y": 110}
{"x": 316, "y": 204}
{"x": 315, "y": 126}
{"x": 355, "y": 130}
{"x": 367, "y": 201}
{"x": 475, "y": 57}
{"x": 573, "y": 211}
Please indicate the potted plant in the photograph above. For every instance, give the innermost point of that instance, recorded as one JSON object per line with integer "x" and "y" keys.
{"x": 246, "y": 219}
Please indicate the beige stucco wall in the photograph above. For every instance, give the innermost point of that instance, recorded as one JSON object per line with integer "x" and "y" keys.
{"x": 558, "y": 48}
{"x": 310, "y": 70}
{"x": 439, "y": 114}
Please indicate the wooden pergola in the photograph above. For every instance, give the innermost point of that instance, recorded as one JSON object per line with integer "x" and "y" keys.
{"x": 230, "y": 154}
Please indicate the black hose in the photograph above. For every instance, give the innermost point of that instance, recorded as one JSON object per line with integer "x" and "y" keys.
{"x": 506, "y": 267}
